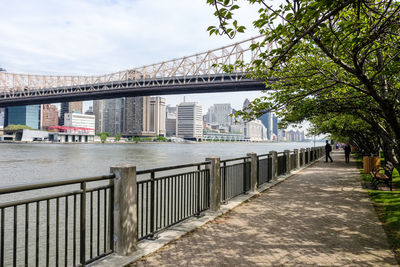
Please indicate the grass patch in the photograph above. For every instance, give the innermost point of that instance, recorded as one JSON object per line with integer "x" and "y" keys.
{"x": 387, "y": 206}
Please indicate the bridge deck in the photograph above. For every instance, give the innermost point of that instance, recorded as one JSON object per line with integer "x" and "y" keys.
{"x": 320, "y": 217}
{"x": 188, "y": 85}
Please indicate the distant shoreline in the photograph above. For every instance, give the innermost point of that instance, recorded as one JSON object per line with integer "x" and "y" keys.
{"x": 134, "y": 143}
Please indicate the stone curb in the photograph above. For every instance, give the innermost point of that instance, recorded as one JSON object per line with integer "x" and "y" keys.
{"x": 172, "y": 233}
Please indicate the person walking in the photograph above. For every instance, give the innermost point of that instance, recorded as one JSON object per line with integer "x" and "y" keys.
{"x": 328, "y": 150}
{"x": 347, "y": 150}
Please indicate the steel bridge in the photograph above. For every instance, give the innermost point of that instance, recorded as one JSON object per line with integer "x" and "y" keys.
{"x": 199, "y": 73}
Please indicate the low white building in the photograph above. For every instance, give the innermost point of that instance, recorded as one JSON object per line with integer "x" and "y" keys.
{"x": 25, "y": 135}
{"x": 79, "y": 120}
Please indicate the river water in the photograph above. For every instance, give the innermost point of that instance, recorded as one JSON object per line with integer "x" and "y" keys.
{"x": 31, "y": 163}
{"x": 34, "y": 163}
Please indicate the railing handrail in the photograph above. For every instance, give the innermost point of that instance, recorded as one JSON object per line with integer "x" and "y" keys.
{"x": 172, "y": 167}
{"x": 47, "y": 184}
{"x": 234, "y": 159}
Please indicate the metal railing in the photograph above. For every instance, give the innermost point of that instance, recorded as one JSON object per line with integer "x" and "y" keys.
{"x": 282, "y": 168}
{"x": 264, "y": 172}
{"x": 293, "y": 161}
{"x": 171, "y": 198}
{"x": 235, "y": 177}
{"x": 306, "y": 161}
{"x": 301, "y": 159}
{"x": 71, "y": 222}
{"x": 71, "y": 225}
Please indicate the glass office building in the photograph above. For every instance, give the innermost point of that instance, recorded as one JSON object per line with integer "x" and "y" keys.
{"x": 2, "y": 119}
{"x": 24, "y": 115}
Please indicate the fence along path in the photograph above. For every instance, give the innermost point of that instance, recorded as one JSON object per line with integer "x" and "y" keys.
{"x": 318, "y": 217}
{"x": 77, "y": 221}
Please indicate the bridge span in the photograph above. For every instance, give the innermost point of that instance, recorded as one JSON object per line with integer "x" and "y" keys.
{"x": 199, "y": 73}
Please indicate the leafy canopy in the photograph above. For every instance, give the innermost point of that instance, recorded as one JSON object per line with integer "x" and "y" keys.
{"x": 17, "y": 127}
{"x": 322, "y": 57}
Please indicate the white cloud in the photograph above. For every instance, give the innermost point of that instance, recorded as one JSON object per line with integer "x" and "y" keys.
{"x": 102, "y": 36}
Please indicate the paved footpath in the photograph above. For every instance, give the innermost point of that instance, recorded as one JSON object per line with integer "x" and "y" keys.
{"x": 318, "y": 217}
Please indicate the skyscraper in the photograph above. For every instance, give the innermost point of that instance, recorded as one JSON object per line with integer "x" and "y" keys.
{"x": 49, "y": 116}
{"x": 254, "y": 130}
{"x": 157, "y": 116}
{"x": 170, "y": 123}
{"x": 131, "y": 116}
{"x": 108, "y": 115}
{"x": 220, "y": 114}
{"x": 24, "y": 115}
{"x": 98, "y": 110}
{"x": 2, "y": 117}
{"x": 189, "y": 121}
{"x": 246, "y": 103}
{"x": 266, "y": 120}
{"x": 113, "y": 115}
{"x": 137, "y": 116}
{"x": 275, "y": 125}
{"x": 89, "y": 111}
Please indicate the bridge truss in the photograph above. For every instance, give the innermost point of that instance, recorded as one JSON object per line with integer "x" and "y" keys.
{"x": 200, "y": 73}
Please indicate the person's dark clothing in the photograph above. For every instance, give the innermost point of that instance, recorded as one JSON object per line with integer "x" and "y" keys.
{"x": 328, "y": 150}
{"x": 347, "y": 150}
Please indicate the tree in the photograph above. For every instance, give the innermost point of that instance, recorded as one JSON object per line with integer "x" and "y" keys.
{"x": 117, "y": 137}
{"x": 160, "y": 139}
{"x": 347, "y": 128}
{"x": 326, "y": 56}
{"x": 13, "y": 127}
{"x": 103, "y": 136}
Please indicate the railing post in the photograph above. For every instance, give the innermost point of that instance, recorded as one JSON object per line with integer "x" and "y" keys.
{"x": 303, "y": 153}
{"x": 215, "y": 182}
{"x": 224, "y": 181}
{"x": 274, "y": 160}
{"x": 288, "y": 162}
{"x": 82, "y": 243}
{"x": 297, "y": 158}
{"x": 244, "y": 175}
{"x": 198, "y": 197}
{"x": 308, "y": 155}
{"x": 125, "y": 209}
{"x": 152, "y": 210}
{"x": 253, "y": 171}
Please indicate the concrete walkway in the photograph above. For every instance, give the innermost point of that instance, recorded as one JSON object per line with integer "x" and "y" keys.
{"x": 318, "y": 217}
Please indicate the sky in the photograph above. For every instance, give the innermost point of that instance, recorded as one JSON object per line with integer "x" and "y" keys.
{"x": 91, "y": 37}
